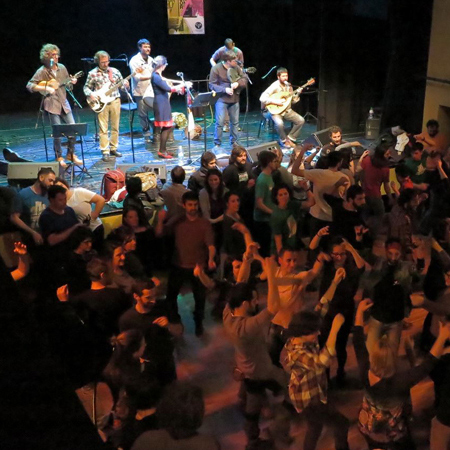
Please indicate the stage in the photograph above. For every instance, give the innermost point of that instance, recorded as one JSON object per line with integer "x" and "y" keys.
{"x": 19, "y": 133}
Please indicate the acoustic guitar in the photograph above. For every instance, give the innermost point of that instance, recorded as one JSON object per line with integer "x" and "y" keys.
{"x": 286, "y": 98}
{"x": 56, "y": 85}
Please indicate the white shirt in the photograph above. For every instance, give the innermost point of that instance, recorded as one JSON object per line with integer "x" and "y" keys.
{"x": 139, "y": 87}
{"x": 323, "y": 181}
{"x": 80, "y": 203}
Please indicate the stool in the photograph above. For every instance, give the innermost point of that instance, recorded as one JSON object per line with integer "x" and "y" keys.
{"x": 131, "y": 108}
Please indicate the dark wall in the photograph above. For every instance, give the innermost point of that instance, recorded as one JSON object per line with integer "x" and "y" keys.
{"x": 354, "y": 54}
{"x": 349, "y": 43}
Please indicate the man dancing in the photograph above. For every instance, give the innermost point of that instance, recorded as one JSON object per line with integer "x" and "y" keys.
{"x": 55, "y": 101}
{"x": 96, "y": 79}
{"x": 282, "y": 85}
{"x": 141, "y": 66}
{"x": 228, "y": 94}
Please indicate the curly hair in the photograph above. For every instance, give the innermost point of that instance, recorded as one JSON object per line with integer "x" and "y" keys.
{"x": 46, "y": 50}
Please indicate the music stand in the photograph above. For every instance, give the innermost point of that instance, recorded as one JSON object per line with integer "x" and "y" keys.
{"x": 73, "y": 130}
{"x": 204, "y": 100}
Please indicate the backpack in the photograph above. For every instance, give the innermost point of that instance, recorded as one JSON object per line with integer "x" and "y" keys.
{"x": 112, "y": 181}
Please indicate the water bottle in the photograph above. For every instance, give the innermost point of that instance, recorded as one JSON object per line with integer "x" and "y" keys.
{"x": 371, "y": 113}
{"x": 180, "y": 155}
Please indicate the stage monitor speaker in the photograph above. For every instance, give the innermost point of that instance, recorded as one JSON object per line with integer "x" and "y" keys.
{"x": 322, "y": 136}
{"x": 160, "y": 170}
{"x": 24, "y": 174}
{"x": 254, "y": 151}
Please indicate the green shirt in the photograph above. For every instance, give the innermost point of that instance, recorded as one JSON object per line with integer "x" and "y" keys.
{"x": 263, "y": 189}
{"x": 417, "y": 169}
{"x": 284, "y": 222}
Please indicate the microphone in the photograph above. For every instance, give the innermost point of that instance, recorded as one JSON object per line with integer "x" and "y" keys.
{"x": 287, "y": 83}
{"x": 52, "y": 61}
{"x": 180, "y": 74}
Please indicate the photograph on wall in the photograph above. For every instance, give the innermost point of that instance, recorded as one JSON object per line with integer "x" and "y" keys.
{"x": 186, "y": 16}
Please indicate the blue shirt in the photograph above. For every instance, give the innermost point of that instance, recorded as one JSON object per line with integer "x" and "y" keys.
{"x": 30, "y": 206}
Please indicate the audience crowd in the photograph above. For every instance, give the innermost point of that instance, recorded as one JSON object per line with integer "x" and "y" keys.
{"x": 342, "y": 244}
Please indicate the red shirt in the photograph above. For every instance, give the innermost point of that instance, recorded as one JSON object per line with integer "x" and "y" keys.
{"x": 192, "y": 239}
{"x": 373, "y": 178}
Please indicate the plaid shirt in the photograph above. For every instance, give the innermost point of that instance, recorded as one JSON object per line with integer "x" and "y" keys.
{"x": 97, "y": 78}
{"x": 307, "y": 365}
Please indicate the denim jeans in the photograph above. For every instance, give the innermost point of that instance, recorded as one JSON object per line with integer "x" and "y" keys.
{"x": 233, "y": 112}
{"x": 58, "y": 119}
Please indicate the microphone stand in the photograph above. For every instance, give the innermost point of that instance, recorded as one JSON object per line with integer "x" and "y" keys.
{"x": 189, "y": 96}
{"x": 40, "y": 117}
{"x": 246, "y": 103}
{"x": 130, "y": 100}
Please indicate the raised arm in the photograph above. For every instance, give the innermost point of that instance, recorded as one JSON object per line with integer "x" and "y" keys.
{"x": 273, "y": 299}
{"x": 298, "y": 168}
{"x": 324, "y": 303}
{"x": 359, "y": 260}
{"x": 24, "y": 261}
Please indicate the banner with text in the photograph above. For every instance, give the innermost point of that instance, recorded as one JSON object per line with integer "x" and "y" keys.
{"x": 186, "y": 16}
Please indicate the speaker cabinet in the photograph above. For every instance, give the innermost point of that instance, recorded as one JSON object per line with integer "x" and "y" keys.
{"x": 23, "y": 174}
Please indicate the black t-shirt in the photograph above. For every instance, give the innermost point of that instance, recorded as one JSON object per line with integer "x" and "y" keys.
{"x": 76, "y": 277}
{"x": 344, "y": 221}
{"x": 236, "y": 178}
{"x": 6, "y": 209}
{"x": 233, "y": 240}
{"x": 159, "y": 339}
{"x": 101, "y": 309}
{"x": 388, "y": 298}
{"x": 342, "y": 301}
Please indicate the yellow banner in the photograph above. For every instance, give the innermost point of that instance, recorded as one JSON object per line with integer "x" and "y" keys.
{"x": 186, "y": 16}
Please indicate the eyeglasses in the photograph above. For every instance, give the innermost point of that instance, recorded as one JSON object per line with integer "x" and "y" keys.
{"x": 340, "y": 255}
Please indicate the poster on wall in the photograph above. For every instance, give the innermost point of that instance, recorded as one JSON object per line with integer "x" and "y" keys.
{"x": 186, "y": 16}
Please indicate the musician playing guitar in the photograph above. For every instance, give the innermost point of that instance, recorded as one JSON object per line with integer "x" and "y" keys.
{"x": 228, "y": 93}
{"x": 282, "y": 85}
{"x": 97, "y": 78}
{"x": 51, "y": 80}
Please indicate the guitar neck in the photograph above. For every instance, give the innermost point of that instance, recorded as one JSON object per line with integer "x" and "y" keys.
{"x": 118, "y": 84}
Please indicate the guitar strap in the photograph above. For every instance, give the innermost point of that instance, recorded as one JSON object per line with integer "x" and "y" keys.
{"x": 110, "y": 75}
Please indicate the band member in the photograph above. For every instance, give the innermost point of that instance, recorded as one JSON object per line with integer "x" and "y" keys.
{"x": 282, "y": 85}
{"x": 228, "y": 94}
{"x": 161, "y": 105}
{"x": 142, "y": 66}
{"x": 217, "y": 57}
{"x": 96, "y": 79}
{"x": 55, "y": 101}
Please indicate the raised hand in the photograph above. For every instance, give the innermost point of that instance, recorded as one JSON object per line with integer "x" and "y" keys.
{"x": 339, "y": 275}
{"x": 364, "y": 305}
{"x": 324, "y": 231}
{"x": 20, "y": 248}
